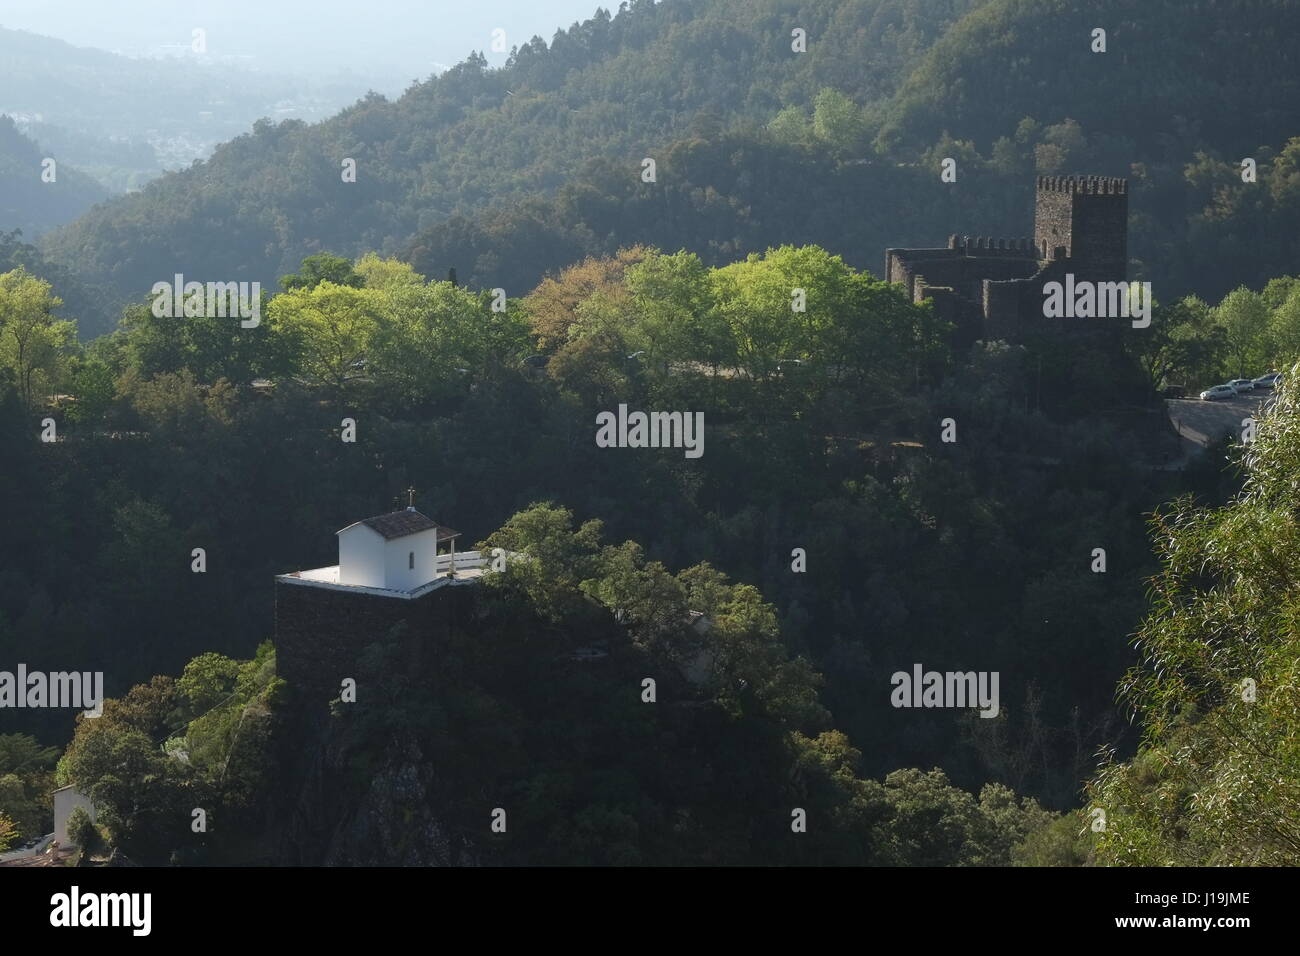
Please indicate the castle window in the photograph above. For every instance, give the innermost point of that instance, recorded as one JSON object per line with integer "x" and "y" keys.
{"x": 410, "y": 561}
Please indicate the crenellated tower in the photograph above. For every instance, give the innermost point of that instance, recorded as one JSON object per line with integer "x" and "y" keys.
{"x": 991, "y": 288}
{"x": 1083, "y": 219}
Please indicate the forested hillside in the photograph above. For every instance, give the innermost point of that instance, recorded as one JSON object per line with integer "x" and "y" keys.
{"x": 970, "y": 555}
{"x": 166, "y": 445}
{"x": 877, "y": 493}
{"x": 699, "y": 778}
{"x": 1172, "y": 80}
{"x": 31, "y": 203}
{"x": 615, "y": 87}
{"x": 881, "y": 83}
{"x": 1215, "y": 782}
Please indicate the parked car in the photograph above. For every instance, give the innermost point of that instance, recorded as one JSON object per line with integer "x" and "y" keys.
{"x": 1268, "y": 381}
{"x": 1216, "y": 392}
{"x": 1240, "y": 385}
{"x": 1174, "y": 391}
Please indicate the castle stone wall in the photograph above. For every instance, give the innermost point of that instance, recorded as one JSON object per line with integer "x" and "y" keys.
{"x": 1087, "y": 216}
{"x": 1080, "y": 226}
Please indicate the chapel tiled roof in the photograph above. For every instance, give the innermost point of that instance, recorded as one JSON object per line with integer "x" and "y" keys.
{"x": 400, "y": 524}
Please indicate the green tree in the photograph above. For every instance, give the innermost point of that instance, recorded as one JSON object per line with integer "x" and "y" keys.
{"x": 434, "y": 340}
{"x": 26, "y": 780}
{"x": 1006, "y": 157}
{"x": 792, "y": 126}
{"x": 207, "y": 680}
{"x": 21, "y": 751}
{"x": 208, "y": 347}
{"x": 94, "y": 385}
{"x": 81, "y": 830}
{"x": 329, "y": 328}
{"x": 137, "y": 789}
{"x": 1216, "y": 779}
{"x": 674, "y": 316}
{"x": 8, "y": 832}
{"x": 386, "y": 274}
{"x": 1181, "y": 345}
{"x": 852, "y": 327}
{"x": 323, "y": 267}
{"x": 177, "y": 407}
{"x": 838, "y": 122}
{"x": 932, "y": 823}
{"x": 1244, "y": 317}
{"x": 33, "y": 343}
{"x": 1284, "y": 324}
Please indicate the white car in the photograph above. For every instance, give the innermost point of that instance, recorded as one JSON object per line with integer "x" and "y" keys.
{"x": 1268, "y": 381}
{"x": 1217, "y": 392}
{"x": 1242, "y": 385}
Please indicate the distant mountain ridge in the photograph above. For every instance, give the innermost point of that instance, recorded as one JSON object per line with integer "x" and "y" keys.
{"x": 126, "y": 119}
{"x": 613, "y": 86}
{"x": 29, "y": 202}
{"x": 922, "y": 80}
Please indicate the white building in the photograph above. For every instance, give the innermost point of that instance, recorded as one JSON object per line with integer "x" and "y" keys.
{"x": 67, "y": 799}
{"x": 399, "y": 554}
{"x": 396, "y": 551}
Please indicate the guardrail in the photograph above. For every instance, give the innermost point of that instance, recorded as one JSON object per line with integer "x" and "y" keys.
{"x": 465, "y": 561}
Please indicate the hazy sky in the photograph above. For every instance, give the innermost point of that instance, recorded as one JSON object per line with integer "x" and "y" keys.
{"x": 394, "y": 39}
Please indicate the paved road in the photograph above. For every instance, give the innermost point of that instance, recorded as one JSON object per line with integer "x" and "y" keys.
{"x": 1207, "y": 422}
{"x": 20, "y": 853}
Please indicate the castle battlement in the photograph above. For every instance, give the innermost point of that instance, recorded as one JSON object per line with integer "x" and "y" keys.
{"x": 1087, "y": 185}
{"x": 992, "y": 245}
{"x": 991, "y": 287}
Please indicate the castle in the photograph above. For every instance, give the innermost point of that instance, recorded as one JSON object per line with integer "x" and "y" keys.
{"x": 993, "y": 288}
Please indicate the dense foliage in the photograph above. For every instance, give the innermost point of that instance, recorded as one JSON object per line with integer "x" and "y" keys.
{"x": 26, "y": 781}
{"x": 505, "y": 174}
{"x": 542, "y": 282}
{"x": 1216, "y": 781}
{"x": 822, "y": 434}
{"x": 711, "y": 768}
{"x": 170, "y": 747}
